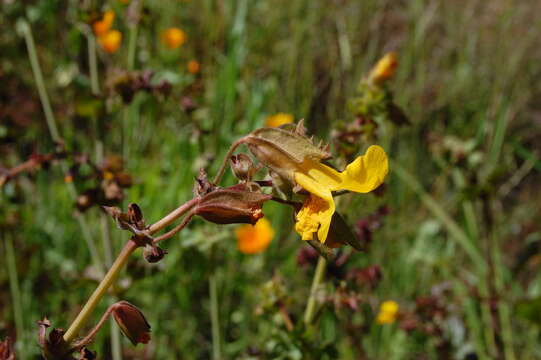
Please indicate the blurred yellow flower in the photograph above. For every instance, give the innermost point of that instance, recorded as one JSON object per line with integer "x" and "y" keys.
{"x": 110, "y": 41}
{"x": 363, "y": 175}
{"x": 388, "y": 311}
{"x": 279, "y": 119}
{"x": 253, "y": 239}
{"x": 384, "y": 69}
{"x": 173, "y": 37}
{"x": 193, "y": 67}
{"x": 101, "y": 27}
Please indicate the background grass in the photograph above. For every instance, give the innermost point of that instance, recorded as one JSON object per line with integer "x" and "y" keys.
{"x": 469, "y": 73}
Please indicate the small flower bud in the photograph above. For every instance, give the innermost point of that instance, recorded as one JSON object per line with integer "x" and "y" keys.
{"x": 132, "y": 322}
{"x": 233, "y": 205}
{"x": 153, "y": 253}
{"x": 242, "y": 166}
{"x": 384, "y": 69}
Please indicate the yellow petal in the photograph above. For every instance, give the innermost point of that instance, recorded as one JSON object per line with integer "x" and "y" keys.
{"x": 367, "y": 172}
{"x": 317, "y": 211}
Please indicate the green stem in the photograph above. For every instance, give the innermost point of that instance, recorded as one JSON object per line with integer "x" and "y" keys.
{"x": 214, "y": 317}
{"x": 14, "y": 288}
{"x": 115, "y": 269}
{"x": 38, "y": 77}
{"x": 116, "y": 347}
{"x": 318, "y": 277}
{"x": 100, "y": 291}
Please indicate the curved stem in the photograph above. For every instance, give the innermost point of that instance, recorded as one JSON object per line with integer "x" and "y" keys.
{"x": 172, "y": 216}
{"x": 318, "y": 277}
{"x": 87, "y": 339}
{"x": 233, "y": 147}
{"x": 176, "y": 230}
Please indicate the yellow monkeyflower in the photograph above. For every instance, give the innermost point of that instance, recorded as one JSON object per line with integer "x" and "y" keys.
{"x": 110, "y": 41}
{"x": 388, "y": 311}
{"x": 193, "y": 67}
{"x": 101, "y": 27}
{"x": 278, "y": 120}
{"x": 253, "y": 239}
{"x": 384, "y": 69}
{"x": 173, "y": 37}
{"x": 363, "y": 175}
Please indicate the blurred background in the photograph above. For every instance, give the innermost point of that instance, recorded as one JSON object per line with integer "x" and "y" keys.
{"x": 112, "y": 102}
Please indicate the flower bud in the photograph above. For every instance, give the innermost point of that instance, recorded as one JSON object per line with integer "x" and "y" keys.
{"x": 53, "y": 346}
{"x": 242, "y": 166}
{"x": 237, "y": 204}
{"x": 132, "y": 322}
{"x": 384, "y": 69}
{"x": 153, "y": 253}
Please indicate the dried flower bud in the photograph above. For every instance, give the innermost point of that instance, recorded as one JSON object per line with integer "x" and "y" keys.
{"x": 282, "y": 150}
{"x": 132, "y": 322}
{"x": 86, "y": 354}
{"x": 153, "y": 253}
{"x": 132, "y": 221}
{"x": 237, "y": 204}
{"x": 370, "y": 276}
{"x": 53, "y": 347}
{"x": 6, "y": 350}
{"x": 242, "y": 166}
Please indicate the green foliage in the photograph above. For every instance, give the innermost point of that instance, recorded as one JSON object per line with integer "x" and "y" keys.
{"x": 463, "y": 226}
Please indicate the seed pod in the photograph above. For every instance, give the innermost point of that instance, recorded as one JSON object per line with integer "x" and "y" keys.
{"x": 132, "y": 322}
{"x": 237, "y": 204}
{"x": 283, "y": 151}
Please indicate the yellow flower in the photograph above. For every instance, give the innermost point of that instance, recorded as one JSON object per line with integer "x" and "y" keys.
{"x": 363, "y": 175}
{"x": 110, "y": 41}
{"x": 101, "y": 27}
{"x": 173, "y": 37}
{"x": 253, "y": 239}
{"x": 384, "y": 69}
{"x": 279, "y": 119}
{"x": 193, "y": 67}
{"x": 388, "y": 311}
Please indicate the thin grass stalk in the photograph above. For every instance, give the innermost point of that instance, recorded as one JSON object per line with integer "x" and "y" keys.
{"x": 15, "y": 290}
{"x": 38, "y": 77}
{"x": 53, "y": 131}
{"x": 214, "y": 317}
{"x": 318, "y": 277}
